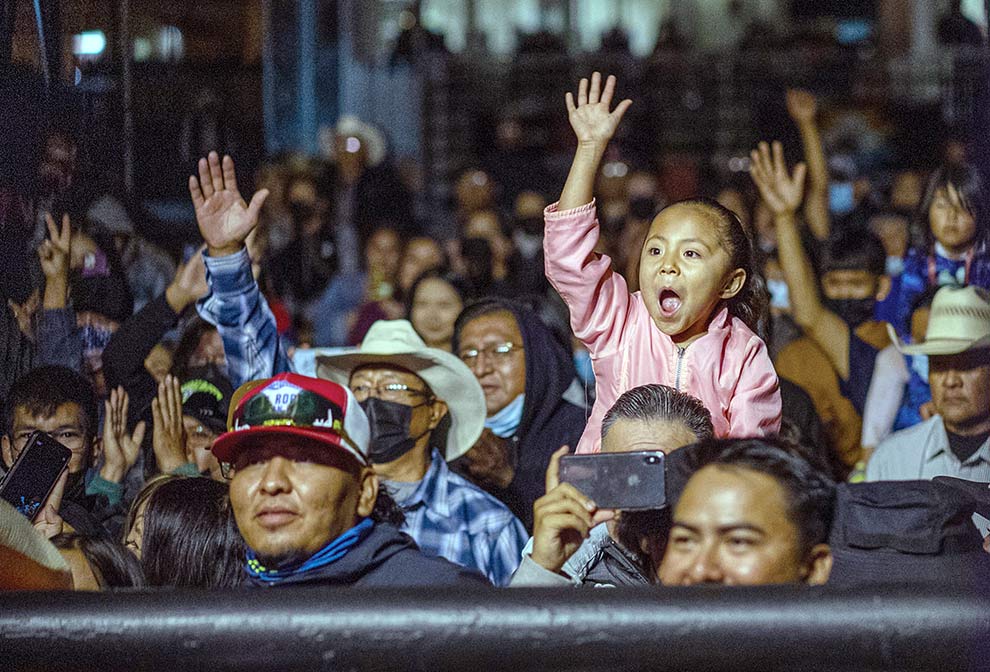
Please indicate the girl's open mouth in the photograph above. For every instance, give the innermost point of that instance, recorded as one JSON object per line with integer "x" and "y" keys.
{"x": 670, "y": 302}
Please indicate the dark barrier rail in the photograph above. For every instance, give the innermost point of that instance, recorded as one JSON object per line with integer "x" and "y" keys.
{"x": 313, "y": 629}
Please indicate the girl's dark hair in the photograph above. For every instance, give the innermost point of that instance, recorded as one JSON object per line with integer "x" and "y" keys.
{"x": 970, "y": 186}
{"x": 752, "y": 303}
{"x": 112, "y": 564}
{"x": 190, "y": 537}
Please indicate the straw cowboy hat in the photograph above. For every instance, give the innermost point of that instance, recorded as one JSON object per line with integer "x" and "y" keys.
{"x": 29, "y": 561}
{"x": 395, "y": 342}
{"x": 959, "y": 321}
{"x": 350, "y": 126}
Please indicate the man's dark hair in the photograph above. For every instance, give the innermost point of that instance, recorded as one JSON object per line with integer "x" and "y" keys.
{"x": 41, "y": 391}
{"x": 190, "y": 538}
{"x": 660, "y": 403}
{"x": 112, "y": 564}
{"x": 857, "y": 249}
{"x": 810, "y": 493}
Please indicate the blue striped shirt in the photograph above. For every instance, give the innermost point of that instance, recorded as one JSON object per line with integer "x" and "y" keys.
{"x": 451, "y": 517}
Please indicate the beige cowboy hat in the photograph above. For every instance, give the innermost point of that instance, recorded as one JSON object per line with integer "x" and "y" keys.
{"x": 29, "y": 561}
{"x": 959, "y": 321}
{"x": 395, "y": 342}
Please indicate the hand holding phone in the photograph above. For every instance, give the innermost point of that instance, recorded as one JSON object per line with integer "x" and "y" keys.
{"x": 31, "y": 482}
{"x": 562, "y": 519}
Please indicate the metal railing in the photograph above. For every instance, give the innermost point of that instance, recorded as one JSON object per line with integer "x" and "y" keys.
{"x": 780, "y": 628}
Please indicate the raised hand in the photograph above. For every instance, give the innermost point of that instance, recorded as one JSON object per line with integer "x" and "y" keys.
{"x": 801, "y": 105}
{"x": 189, "y": 284}
{"x": 120, "y": 449}
{"x": 593, "y": 123}
{"x": 780, "y": 190}
{"x": 54, "y": 251}
{"x": 224, "y": 218}
{"x": 168, "y": 438}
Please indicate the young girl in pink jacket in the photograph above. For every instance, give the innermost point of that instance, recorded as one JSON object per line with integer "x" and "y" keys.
{"x": 691, "y": 325}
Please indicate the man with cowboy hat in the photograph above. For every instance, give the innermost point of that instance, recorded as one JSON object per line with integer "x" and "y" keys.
{"x": 419, "y": 401}
{"x": 956, "y": 440}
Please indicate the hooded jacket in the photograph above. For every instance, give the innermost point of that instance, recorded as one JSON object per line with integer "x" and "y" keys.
{"x": 549, "y": 421}
{"x": 385, "y": 558}
{"x": 727, "y": 368}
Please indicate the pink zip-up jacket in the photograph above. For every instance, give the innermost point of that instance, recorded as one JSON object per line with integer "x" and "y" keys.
{"x": 728, "y": 368}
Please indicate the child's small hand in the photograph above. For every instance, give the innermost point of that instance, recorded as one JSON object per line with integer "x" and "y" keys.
{"x": 780, "y": 190}
{"x": 591, "y": 120}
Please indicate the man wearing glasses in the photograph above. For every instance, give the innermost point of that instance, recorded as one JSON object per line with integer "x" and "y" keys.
{"x": 305, "y": 497}
{"x": 424, "y": 405}
{"x": 61, "y": 402}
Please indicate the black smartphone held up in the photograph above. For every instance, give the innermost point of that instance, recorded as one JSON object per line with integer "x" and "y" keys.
{"x": 35, "y": 472}
{"x": 624, "y": 481}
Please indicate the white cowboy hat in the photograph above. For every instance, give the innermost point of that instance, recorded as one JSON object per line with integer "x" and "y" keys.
{"x": 396, "y": 342}
{"x": 959, "y": 321}
{"x": 350, "y": 126}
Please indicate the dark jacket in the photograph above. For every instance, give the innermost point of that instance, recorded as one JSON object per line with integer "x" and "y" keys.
{"x": 548, "y": 421}
{"x": 385, "y": 558}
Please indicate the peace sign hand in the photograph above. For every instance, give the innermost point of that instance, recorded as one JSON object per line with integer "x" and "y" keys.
{"x": 54, "y": 251}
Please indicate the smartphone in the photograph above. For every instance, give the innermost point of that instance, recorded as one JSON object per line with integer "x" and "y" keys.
{"x": 34, "y": 473}
{"x": 624, "y": 481}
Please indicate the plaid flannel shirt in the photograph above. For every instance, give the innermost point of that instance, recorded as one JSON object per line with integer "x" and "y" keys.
{"x": 241, "y": 315}
{"x": 455, "y": 519}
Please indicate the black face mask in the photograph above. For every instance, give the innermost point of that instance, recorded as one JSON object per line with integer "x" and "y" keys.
{"x": 389, "y": 422}
{"x": 853, "y": 312}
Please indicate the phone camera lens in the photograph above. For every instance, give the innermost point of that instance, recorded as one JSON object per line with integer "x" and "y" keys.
{"x": 652, "y": 459}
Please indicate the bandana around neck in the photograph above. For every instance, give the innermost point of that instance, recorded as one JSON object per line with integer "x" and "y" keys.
{"x": 330, "y": 553}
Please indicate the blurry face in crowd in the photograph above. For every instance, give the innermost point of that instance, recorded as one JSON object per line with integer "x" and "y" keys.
{"x": 371, "y": 381}
{"x": 383, "y": 252}
{"x": 65, "y": 426}
{"x": 500, "y": 370}
{"x": 732, "y": 526}
{"x": 292, "y": 497}
{"x": 852, "y": 284}
{"x": 199, "y": 439}
{"x": 435, "y": 308}
{"x": 58, "y": 164}
{"x": 421, "y": 255}
{"x": 485, "y": 225}
{"x": 961, "y": 390}
{"x": 892, "y": 230}
{"x": 209, "y": 351}
{"x": 951, "y": 223}
{"x": 474, "y": 191}
{"x": 906, "y": 191}
{"x": 684, "y": 271}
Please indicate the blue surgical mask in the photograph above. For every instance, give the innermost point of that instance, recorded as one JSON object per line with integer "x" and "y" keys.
{"x": 585, "y": 370}
{"x": 505, "y": 423}
{"x": 894, "y": 266}
{"x": 779, "y": 294}
{"x": 840, "y": 198}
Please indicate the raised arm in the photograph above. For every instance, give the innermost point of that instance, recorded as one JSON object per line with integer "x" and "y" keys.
{"x": 57, "y": 334}
{"x": 594, "y": 125}
{"x": 803, "y": 108}
{"x": 235, "y": 304}
{"x": 782, "y": 192}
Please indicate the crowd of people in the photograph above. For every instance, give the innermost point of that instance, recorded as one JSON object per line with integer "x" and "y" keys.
{"x": 324, "y": 392}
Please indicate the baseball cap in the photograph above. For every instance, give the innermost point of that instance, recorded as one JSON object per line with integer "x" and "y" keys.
{"x": 290, "y": 405}
{"x": 206, "y": 396}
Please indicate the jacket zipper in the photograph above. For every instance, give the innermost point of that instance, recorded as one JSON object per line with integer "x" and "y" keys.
{"x": 677, "y": 375}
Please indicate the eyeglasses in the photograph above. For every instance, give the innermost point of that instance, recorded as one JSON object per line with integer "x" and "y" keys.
{"x": 499, "y": 352}
{"x": 398, "y": 392}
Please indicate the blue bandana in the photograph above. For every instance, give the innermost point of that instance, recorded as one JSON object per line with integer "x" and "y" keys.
{"x": 505, "y": 423}
{"x": 332, "y": 552}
